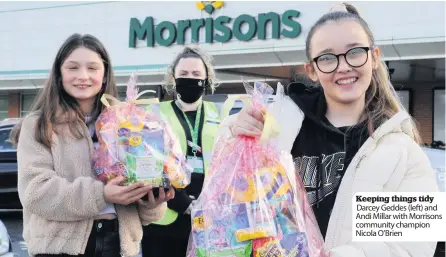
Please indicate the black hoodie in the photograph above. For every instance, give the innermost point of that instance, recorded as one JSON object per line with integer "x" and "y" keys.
{"x": 321, "y": 151}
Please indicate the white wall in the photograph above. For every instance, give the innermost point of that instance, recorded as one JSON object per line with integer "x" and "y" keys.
{"x": 32, "y": 32}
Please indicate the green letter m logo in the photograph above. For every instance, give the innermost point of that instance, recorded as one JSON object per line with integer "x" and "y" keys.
{"x": 141, "y": 32}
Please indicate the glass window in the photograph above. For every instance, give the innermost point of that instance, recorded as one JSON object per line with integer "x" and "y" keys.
{"x": 122, "y": 96}
{"x": 3, "y": 107}
{"x": 27, "y": 103}
{"x": 404, "y": 96}
{"x": 5, "y": 144}
{"x": 439, "y": 115}
{"x": 3, "y": 115}
{"x": 234, "y": 110}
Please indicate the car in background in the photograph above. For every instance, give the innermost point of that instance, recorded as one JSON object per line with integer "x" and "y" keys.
{"x": 438, "y": 159}
{"x": 5, "y": 242}
{"x": 9, "y": 197}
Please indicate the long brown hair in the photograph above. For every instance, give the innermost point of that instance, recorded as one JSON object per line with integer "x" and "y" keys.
{"x": 381, "y": 101}
{"x": 55, "y": 106}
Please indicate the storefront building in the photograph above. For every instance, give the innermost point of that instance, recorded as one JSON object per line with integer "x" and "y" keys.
{"x": 254, "y": 40}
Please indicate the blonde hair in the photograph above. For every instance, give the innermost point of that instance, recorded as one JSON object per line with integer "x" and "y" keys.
{"x": 190, "y": 52}
{"x": 381, "y": 100}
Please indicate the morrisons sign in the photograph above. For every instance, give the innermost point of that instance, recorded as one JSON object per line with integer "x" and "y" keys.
{"x": 221, "y": 29}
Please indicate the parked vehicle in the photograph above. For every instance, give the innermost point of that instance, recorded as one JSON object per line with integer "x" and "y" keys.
{"x": 437, "y": 159}
{"x": 9, "y": 198}
{"x": 5, "y": 242}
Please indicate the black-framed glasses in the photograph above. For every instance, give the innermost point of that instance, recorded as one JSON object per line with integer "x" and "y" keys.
{"x": 355, "y": 57}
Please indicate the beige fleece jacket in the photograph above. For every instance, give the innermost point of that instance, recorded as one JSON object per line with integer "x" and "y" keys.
{"x": 61, "y": 197}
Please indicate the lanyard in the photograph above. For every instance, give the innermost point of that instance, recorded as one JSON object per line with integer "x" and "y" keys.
{"x": 194, "y": 131}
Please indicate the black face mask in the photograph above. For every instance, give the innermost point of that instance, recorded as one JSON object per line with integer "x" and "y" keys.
{"x": 190, "y": 90}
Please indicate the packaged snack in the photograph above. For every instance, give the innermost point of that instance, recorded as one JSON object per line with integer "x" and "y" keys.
{"x": 252, "y": 202}
{"x": 136, "y": 142}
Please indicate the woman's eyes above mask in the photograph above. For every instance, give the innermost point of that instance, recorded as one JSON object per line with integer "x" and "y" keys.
{"x": 194, "y": 73}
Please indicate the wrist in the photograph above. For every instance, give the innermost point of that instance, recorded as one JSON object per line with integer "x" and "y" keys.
{"x": 106, "y": 199}
{"x": 101, "y": 199}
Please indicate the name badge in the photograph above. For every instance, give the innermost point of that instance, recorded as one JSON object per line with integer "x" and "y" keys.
{"x": 196, "y": 164}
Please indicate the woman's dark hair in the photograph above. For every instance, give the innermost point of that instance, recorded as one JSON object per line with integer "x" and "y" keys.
{"x": 55, "y": 106}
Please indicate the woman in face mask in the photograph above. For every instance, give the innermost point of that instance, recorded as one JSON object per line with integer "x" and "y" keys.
{"x": 195, "y": 123}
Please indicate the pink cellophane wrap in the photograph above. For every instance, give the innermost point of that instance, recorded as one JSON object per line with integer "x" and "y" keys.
{"x": 252, "y": 202}
{"x": 137, "y": 142}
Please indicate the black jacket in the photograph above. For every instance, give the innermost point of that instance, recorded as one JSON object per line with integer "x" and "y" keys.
{"x": 322, "y": 152}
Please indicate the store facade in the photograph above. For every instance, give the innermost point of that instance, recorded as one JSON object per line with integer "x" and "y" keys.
{"x": 257, "y": 40}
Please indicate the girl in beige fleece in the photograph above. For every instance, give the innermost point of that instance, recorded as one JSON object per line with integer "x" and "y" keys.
{"x": 66, "y": 211}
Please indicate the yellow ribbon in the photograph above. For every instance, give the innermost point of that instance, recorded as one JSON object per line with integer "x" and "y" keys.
{"x": 229, "y": 103}
{"x": 106, "y": 97}
{"x": 270, "y": 125}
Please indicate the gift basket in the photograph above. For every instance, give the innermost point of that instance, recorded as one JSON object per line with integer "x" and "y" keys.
{"x": 252, "y": 202}
{"x": 135, "y": 141}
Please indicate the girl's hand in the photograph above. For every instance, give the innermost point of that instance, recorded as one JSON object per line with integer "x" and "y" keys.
{"x": 249, "y": 122}
{"x": 154, "y": 202}
{"x": 115, "y": 192}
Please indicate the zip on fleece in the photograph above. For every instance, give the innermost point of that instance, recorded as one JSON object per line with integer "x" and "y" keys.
{"x": 91, "y": 148}
{"x": 88, "y": 137}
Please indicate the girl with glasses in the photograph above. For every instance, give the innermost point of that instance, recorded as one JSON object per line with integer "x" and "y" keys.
{"x": 348, "y": 133}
